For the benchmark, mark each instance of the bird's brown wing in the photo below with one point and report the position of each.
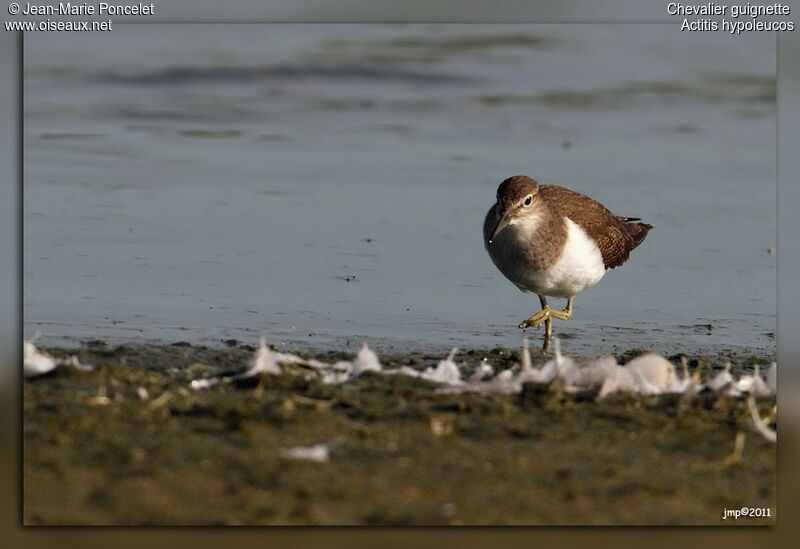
(616, 236)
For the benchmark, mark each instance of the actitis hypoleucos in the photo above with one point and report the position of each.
(555, 242)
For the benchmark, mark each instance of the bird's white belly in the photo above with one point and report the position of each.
(579, 266)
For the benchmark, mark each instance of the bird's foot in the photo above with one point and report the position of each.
(538, 319)
(545, 316)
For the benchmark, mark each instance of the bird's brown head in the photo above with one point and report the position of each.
(516, 197)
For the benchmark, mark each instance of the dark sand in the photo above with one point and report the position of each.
(95, 452)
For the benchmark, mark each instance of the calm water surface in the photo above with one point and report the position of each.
(325, 184)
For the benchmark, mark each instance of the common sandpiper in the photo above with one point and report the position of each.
(555, 242)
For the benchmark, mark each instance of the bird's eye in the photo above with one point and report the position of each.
(528, 200)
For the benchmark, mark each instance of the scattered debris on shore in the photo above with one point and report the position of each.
(36, 363)
(647, 374)
(271, 437)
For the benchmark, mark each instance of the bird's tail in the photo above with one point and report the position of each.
(637, 231)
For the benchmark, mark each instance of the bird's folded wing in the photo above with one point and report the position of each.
(609, 231)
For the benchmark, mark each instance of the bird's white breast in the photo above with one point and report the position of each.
(579, 266)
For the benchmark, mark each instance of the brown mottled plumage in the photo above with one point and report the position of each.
(555, 242)
(616, 236)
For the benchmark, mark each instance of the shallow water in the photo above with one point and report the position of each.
(324, 184)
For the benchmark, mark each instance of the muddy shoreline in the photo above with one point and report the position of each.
(131, 443)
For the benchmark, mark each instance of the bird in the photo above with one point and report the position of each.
(555, 242)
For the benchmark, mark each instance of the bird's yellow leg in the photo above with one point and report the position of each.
(566, 313)
(546, 315)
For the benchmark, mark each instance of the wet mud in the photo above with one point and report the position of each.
(131, 443)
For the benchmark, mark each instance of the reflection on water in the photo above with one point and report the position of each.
(323, 184)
